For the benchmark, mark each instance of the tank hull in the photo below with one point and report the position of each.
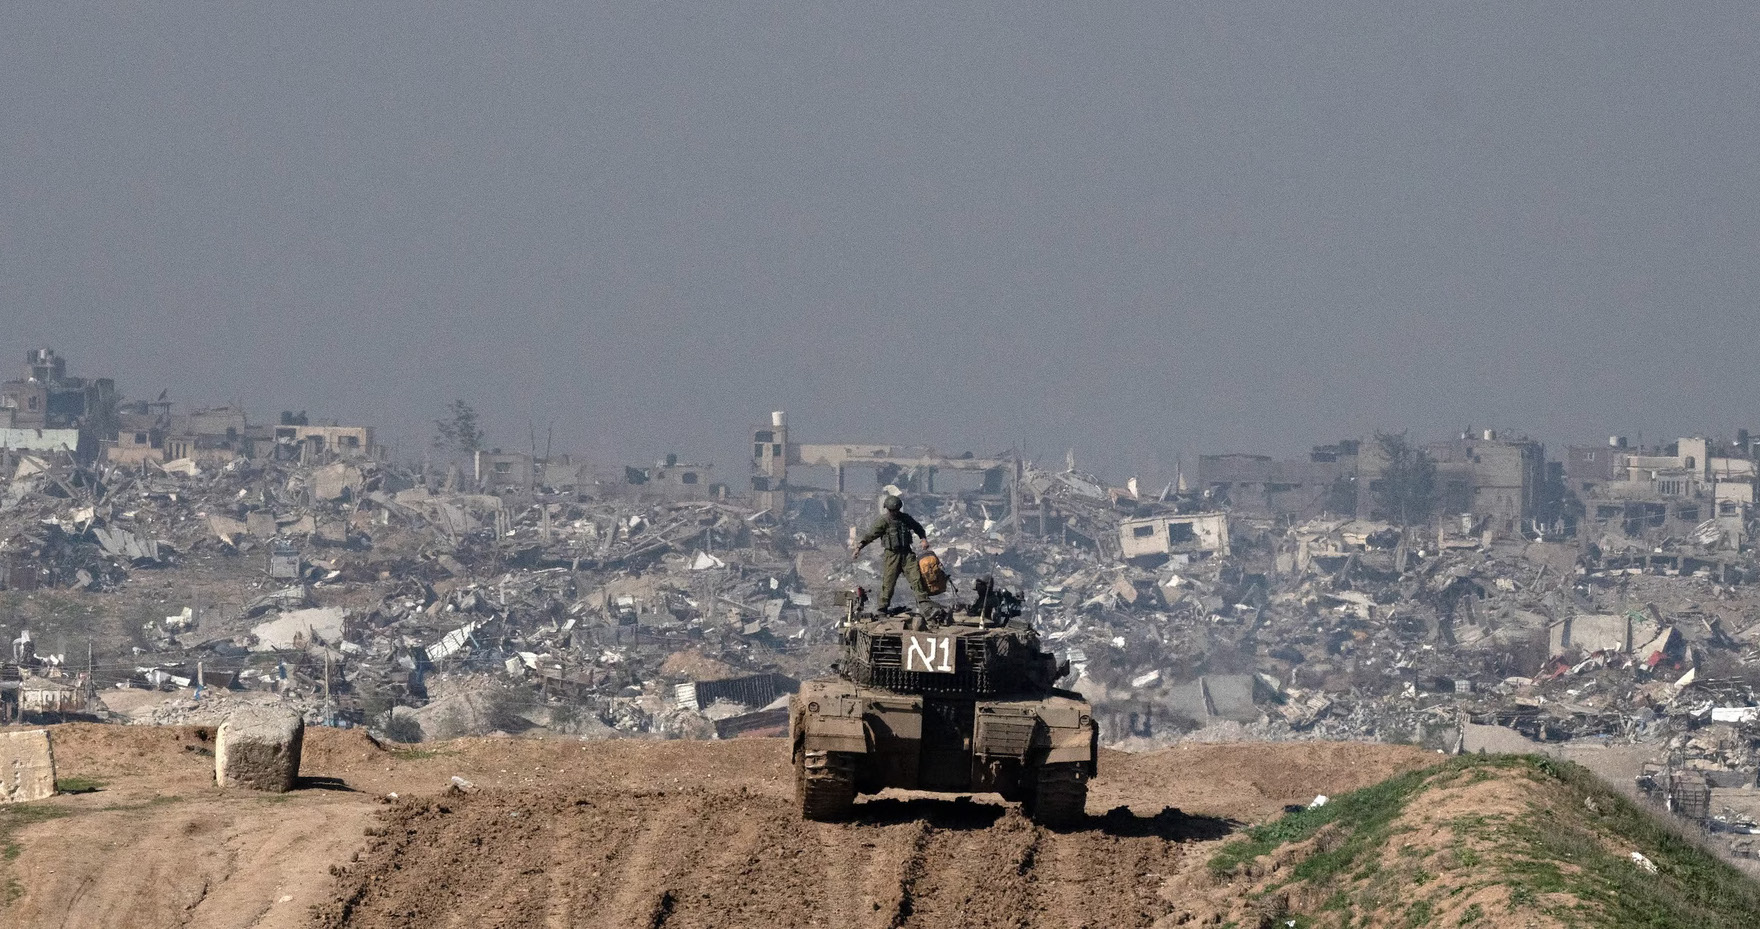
(950, 743)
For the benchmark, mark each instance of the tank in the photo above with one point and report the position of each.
(955, 701)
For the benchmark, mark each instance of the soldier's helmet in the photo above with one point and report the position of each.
(893, 503)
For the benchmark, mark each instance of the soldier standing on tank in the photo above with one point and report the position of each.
(894, 531)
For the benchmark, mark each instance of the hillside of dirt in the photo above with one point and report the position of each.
(682, 834)
(1497, 840)
(612, 833)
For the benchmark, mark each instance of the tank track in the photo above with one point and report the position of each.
(825, 784)
(1059, 797)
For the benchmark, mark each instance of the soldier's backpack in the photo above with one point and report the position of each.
(933, 577)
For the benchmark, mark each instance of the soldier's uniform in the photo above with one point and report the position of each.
(894, 531)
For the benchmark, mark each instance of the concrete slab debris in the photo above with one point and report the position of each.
(298, 629)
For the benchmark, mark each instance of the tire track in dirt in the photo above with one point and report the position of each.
(577, 862)
(863, 871)
(973, 875)
(911, 868)
(847, 901)
(654, 860)
(698, 859)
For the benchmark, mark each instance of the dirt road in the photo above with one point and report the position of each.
(614, 834)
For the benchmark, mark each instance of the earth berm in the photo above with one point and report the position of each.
(705, 834)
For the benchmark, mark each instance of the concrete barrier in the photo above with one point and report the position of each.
(258, 748)
(27, 766)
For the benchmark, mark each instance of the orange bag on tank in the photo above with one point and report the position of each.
(933, 577)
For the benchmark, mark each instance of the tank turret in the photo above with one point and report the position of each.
(979, 649)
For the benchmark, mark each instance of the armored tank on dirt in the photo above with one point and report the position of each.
(957, 701)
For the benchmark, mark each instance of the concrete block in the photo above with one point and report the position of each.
(258, 747)
(27, 766)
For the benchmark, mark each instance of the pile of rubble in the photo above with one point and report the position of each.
(367, 593)
(355, 582)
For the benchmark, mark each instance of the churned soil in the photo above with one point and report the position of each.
(614, 833)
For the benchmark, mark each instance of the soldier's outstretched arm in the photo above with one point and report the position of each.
(910, 522)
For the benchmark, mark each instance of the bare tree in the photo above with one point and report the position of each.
(1408, 481)
(457, 432)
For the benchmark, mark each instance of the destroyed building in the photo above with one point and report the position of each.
(42, 410)
(672, 479)
(1499, 480)
(304, 441)
(141, 429)
(1693, 487)
(1155, 537)
(1325, 482)
(914, 469)
(209, 435)
(519, 476)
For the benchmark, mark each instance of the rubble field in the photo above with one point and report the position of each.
(613, 833)
(403, 601)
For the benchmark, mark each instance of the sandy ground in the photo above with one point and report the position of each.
(620, 833)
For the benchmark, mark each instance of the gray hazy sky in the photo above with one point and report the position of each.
(1140, 229)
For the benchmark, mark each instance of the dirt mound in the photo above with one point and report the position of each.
(630, 832)
(1480, 841)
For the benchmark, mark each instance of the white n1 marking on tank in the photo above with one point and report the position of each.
(932, 653)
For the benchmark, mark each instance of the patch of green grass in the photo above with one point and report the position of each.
(417, 754)
(78, 785)
(17, 815)
(1691, 888)
(147, 804)
(14, 817)
(1472, 915)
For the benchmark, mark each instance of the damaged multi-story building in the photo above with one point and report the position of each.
(672, 479)
(154, 431)
(1690, 487)
(1325, 482)
(296, 438)
(48, 410)
(984, 480)
(141, 429)
(1499, 481)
